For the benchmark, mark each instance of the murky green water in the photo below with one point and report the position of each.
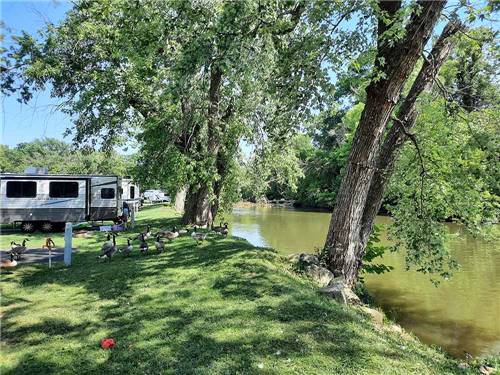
(462, 314)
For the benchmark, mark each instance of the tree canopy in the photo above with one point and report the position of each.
(61, 157)
(188, 79)
(333, 98)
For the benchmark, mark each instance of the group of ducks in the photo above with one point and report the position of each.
(16, 251)
(109, 247)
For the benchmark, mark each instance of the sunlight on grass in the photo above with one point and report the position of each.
(221, 307)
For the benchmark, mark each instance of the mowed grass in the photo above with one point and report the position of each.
(223, 307)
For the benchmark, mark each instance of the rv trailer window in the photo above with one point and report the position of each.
(107, 193)
(21, 189)
(132, 192)
(62, 189)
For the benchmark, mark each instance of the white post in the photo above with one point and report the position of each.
(68, 237)
(50, 258)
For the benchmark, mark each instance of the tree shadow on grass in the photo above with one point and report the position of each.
(35, 334)
(219, 307)
(190, 341)
(250, 281)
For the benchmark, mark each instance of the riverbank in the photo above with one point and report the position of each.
(221, 307)
(277, 204)
(247, 204)
(453, 316)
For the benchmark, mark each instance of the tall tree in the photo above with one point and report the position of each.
(400, 132)
(399, 48)
(188, 79)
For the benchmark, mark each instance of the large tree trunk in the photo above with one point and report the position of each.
(222, 171)
(399, 133)
(180, 199)
(396, 62)
(217, 193)
(198, 208)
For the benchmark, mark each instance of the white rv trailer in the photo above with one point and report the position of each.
(130, 193)
(48, 201)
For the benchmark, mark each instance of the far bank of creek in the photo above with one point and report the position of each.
(460, 315)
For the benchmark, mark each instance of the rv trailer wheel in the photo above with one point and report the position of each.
(47, 227)
(28, 226)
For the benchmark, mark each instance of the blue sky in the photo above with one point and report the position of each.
(38, 119)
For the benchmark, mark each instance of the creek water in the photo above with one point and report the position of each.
(460, 315)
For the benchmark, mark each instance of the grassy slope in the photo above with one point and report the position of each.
(221, 307)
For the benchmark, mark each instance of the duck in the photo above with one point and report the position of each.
(159, 244)
(170, 235)
(14, 244)
(126, 250)
(182, 231)
(225, 230)
(18, 250)
(109, 247)
(198, 236)
(9, 263)
(148, 232)
(217, 229)
(109, 241)
(143, 245)
(222, 229)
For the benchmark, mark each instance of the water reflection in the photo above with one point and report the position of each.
(462, 314)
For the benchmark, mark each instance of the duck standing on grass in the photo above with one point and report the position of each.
(126, 250)
(143, 245)
(224, 230)
(217, 229)
(159, 244)
(14, 244)
(18, 250)
(221, 229)
(147, 233)
(109, 247)
(9, 263)
(170, 235)
(198, 236)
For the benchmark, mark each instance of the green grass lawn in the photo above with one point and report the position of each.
(224, 307)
